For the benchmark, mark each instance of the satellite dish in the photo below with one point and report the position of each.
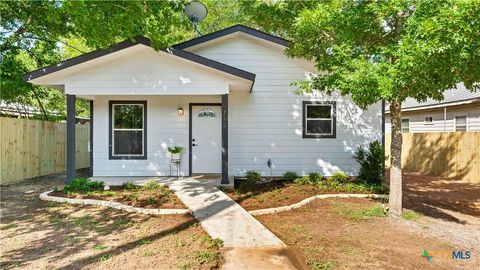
(196, 12)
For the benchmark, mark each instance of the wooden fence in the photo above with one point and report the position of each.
(31, 148)
(446, 154)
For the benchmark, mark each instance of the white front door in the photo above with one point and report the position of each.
(206, 139)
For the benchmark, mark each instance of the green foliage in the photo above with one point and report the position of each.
(152, 184)
(315, 264)
(389, 49)
(363, 213)
(129, 186)
(410, 215)
(371, 162)
(339, 177)
(176, 149)
(83, 185)
(313, 178)
(290, 176)
(252, 177)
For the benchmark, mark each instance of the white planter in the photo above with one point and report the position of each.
(176, 156)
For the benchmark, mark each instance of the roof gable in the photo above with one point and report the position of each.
(229, 31)
(130, 43)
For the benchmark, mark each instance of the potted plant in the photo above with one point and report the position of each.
(176, 151)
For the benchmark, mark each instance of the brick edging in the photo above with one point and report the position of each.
(311, 199)
(116, 205)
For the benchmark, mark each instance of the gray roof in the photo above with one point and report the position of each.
(454, 95)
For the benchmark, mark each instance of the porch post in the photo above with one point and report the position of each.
(225, 139)
(91, 137)
(70, 138)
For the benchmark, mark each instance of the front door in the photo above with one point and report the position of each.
(206, 139)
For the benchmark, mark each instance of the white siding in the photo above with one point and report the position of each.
(267, 123)
(164, 128)
(146, 72)
(417, 119)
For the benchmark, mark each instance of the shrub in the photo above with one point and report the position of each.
(152, 184)
(252, 177)
(83, 185)
(305, 180)
(315, 177)
(339, 177)
(312, 179)
(290, 176)
(129, 186)
(371, 162)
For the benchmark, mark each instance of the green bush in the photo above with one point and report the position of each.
(315, 177)
(83, 185)
(152, 184)
(252, 177)
(312, 179)
(371, 162)
(290, 176)
(339, 177)
(129, 186)
(305, 180)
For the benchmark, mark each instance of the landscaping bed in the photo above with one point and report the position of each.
(355, 234)
(151, 195)
(253, 196)
(37, 234)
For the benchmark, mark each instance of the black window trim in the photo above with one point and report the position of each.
(110, 129)
(333, 104)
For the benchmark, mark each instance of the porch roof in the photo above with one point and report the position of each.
(43, 75)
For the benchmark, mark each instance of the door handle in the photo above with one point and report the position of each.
(194, 144)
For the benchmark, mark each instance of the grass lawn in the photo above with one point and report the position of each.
(138, 196)
(40, 235)
(281, 193)
(354, 234)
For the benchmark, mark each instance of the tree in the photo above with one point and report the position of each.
(390, 50)
(40, 33)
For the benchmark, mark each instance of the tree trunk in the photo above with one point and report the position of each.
(395, 198)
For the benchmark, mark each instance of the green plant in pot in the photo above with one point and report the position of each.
(176, 151)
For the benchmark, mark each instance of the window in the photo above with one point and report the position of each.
(461, 123)
(319, 119)
(428, 120)
(405, 125)
(128, 127)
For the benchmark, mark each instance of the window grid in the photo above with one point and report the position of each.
(325, 119)
(126, 129)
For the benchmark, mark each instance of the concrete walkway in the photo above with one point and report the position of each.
(222, 217)
(248, 244)
(219, 215)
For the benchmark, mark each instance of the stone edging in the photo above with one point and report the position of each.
(311, 199)
(116, 205)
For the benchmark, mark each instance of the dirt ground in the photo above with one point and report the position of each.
(351, 234)
(450, 208)
(274, 194)
(35, 234)
(163, 197)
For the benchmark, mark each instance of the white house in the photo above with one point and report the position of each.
(227, 97)
(458, 111)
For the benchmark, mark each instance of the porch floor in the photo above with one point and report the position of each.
(208, 179)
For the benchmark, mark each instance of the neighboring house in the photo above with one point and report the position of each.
(226, 97)
(458, 111)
